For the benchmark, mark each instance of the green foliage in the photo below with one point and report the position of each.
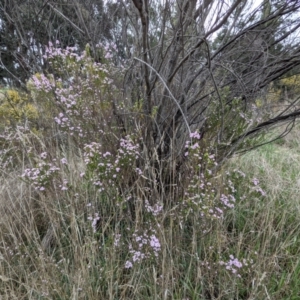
(15, 107)
(228, 120)
(284, 89)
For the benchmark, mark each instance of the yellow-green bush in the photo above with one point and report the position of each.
(285, 89)
(15, 107)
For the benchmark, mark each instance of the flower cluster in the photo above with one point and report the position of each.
(109, 49)
(107, 167)
(41, 176)
(42, 83)
(155, 209)
(144, 246)
(234, 265)
(53, 51)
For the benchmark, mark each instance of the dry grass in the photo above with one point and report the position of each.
(49, 250)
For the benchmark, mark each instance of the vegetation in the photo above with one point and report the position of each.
(14, 107)
(120, 173)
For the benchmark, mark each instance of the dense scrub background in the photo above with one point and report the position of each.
(79, 219)
(126, 170)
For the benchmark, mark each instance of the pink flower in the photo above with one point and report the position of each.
(128, 264)
(64, 161)
(195, 135)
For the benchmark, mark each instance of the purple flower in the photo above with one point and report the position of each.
(128, 264)
(195, 135)
(64, 161)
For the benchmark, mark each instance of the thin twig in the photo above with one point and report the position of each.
(164, 83)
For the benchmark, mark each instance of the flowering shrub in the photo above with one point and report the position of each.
(80, 92)
(203, 192)
(81, 98)
(41, 176)
(108, 168)
(45, 174)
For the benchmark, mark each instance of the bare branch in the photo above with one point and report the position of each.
(174, 99)
(66, 18)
